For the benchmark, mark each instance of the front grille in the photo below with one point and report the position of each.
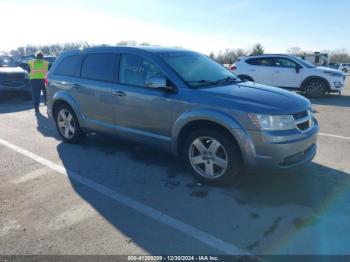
(304, 126)
(12, 80)
(300, 115)
(303, 120)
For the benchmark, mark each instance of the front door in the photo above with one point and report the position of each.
(285, 73)
(141, 111)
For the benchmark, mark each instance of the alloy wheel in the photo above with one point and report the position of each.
(66, 123)
(208, 157)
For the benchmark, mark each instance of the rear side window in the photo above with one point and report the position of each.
(69, 66)
(99, 67)
(268, 61)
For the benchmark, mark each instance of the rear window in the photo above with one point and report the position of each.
(99, 67)
(69, 66)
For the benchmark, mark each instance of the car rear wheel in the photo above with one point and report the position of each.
(67, 124)
(315, 88)
(211, 156)
(344, 70)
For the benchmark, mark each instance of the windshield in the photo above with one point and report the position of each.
(198, 70)
(7, 61)
(304, 62)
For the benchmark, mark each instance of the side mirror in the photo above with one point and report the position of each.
(157, 82)
(297, 69)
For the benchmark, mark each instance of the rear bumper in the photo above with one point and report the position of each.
(282, 150)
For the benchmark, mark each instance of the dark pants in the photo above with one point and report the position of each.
(38, 85)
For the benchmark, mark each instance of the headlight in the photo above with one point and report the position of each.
(333, 74)
(273, 122)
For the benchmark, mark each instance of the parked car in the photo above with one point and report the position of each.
(13, 78)
(345, 67)
(292, 72)
(333, 65)
(184, 102)
(23, 62)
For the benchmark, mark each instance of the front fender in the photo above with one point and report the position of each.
(70, 100)
(242, 137)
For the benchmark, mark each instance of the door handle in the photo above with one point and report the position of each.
(119, 93)
(253, 70)
(77, 86)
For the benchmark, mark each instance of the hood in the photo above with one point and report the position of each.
(10, 70)
(329, 69)
(255, 98)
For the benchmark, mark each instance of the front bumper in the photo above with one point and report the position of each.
(337, 84)
(19, 87)
(282, 150)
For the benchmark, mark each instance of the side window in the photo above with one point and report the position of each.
(268, 61)
(99, 67)
(254, 61)
(69, 66)
(286, 63)
(134, 69)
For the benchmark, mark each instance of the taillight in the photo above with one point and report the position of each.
(233, 67)
(46, 81)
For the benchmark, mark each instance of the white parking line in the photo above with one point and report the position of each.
(335, 136)
(189, 230)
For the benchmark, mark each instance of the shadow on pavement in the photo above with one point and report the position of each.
(45, 125)
(308, 187)
(117, 170)
(11, 102)
(332, 100)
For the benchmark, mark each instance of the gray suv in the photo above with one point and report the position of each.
(184, 102)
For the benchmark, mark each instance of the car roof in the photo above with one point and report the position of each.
(150, 49)
(269, 55)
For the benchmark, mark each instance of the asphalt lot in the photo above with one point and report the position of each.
(108, 196)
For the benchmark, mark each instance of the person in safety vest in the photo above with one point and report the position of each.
(38, 68)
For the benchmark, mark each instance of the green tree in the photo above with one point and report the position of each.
(258, 49)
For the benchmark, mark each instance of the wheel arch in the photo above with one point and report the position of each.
(229, 126)
(310, 78)
(64, 98)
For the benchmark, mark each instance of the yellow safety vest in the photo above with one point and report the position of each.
(38, 68)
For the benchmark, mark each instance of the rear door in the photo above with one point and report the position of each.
(93, 91)
(261, 70)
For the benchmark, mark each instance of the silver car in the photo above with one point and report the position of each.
(183, 102)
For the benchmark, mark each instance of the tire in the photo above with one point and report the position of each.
(199, 158)
(67, 124)
(247, 78)
(315, 88)
(345, 70)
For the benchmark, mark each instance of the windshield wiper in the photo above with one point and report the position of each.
(203, 81)
(228, 79)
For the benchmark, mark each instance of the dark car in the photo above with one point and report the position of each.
(12, 77)
(23, 62)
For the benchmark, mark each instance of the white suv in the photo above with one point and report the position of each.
(344, 67)
(289, 71)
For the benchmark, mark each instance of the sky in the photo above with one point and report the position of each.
(200, 25)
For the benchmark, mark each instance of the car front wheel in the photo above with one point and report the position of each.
(67, 124)
(211, 156)
(315, 88)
